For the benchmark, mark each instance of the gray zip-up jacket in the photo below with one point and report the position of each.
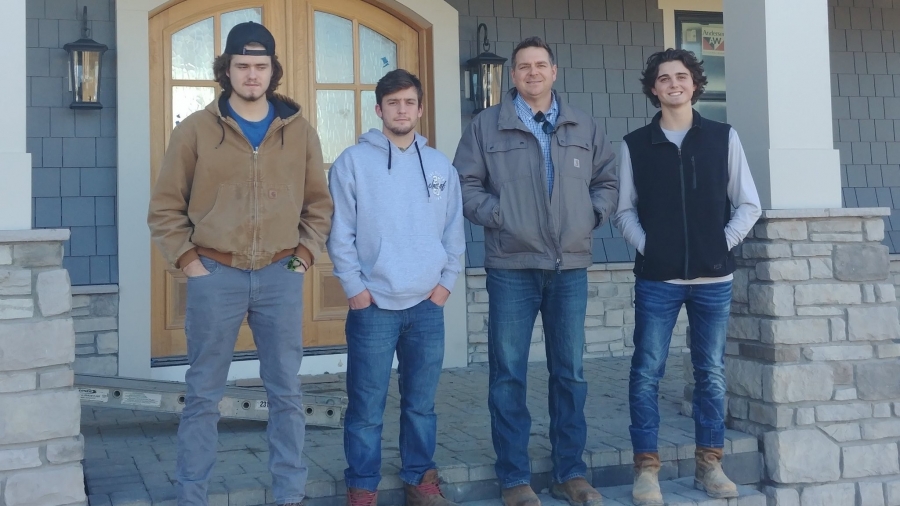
(504, 187)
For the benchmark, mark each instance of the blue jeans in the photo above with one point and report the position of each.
(272, 300)
(657, 304)
(515, 297)
(373, 335)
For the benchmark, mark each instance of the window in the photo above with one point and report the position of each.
(704, 34)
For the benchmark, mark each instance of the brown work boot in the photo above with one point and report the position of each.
(578, 492)
(521, 495)
(646, 480)
(427, 492)
(361, 497)
(709, 475)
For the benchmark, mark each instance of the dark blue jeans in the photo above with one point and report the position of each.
(373, 335)
(515, 297)
(657, 304)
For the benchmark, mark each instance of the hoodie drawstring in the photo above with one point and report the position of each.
(422, 165)
(219, 122)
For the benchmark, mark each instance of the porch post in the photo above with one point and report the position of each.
(812, 355)
(779, 99)
(15, 162)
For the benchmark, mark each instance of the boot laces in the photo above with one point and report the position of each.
(362, 498)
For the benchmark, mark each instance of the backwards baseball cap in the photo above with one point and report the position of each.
(249, 33)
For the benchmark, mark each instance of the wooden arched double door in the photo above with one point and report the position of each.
(333, 53)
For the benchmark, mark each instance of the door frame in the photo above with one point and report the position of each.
(438, 26)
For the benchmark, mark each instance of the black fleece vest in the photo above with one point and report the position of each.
(683, 200)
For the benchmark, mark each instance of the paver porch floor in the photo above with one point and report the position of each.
(131, 454)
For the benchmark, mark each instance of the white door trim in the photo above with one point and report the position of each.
(133, 57)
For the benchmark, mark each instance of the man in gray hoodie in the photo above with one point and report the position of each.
(396, 241)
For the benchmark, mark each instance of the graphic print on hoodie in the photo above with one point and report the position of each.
(397, 228)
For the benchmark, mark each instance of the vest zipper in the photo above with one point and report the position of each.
(684, 214)
(694, 167)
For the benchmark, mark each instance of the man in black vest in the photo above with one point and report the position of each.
(678, 179)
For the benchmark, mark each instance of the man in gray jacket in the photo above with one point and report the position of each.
(539, 176)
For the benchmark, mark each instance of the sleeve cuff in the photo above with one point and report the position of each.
(187, 257)
(448, 281)
(303, 252)
(353, 287)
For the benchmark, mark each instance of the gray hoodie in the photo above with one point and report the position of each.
(397, 228)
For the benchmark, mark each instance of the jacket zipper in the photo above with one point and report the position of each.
(254, 171)
(684, 214)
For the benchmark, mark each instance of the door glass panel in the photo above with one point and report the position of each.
(369, 118)
(377, 55)
(230, 19)
(192, 51)
(334, 49)
(712, 109)
(335, 121)
(189, 99)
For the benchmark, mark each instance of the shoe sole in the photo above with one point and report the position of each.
(714, 495)
(563, 497)
(647, 503)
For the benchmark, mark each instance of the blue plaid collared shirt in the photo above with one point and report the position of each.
(523, 110)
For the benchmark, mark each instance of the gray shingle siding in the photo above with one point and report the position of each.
(73, 152)
(865, 68)
(600, 49)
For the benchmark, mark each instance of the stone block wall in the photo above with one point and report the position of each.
(813, 356)
(41, 447)
(609, 326)
(95, 310)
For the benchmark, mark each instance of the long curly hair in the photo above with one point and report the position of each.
(688, 58)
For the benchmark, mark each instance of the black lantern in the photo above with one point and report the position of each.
(85, 55)
(486, 73)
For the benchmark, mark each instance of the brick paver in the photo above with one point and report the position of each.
(130, 455)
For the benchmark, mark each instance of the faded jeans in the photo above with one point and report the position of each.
(657, 304)
(416, 334)
(272, 300)
(515, 297)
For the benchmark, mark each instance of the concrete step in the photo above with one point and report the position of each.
(678, 492)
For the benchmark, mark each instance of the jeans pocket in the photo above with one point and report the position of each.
(210, 265)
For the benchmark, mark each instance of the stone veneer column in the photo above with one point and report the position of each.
(812, 358)
(41, 447)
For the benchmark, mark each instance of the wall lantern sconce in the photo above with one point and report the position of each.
(85, 56)
(486, 74)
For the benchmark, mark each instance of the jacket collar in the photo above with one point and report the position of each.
(284, 106)
(509, 119)
(657, 136)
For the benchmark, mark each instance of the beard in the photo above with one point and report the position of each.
(247, 97)
(402, 130)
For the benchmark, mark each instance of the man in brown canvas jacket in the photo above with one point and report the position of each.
(242, 207)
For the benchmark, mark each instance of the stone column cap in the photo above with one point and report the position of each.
(839, 212)
(35, 235)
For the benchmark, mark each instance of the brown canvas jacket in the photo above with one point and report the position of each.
(217, 197)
